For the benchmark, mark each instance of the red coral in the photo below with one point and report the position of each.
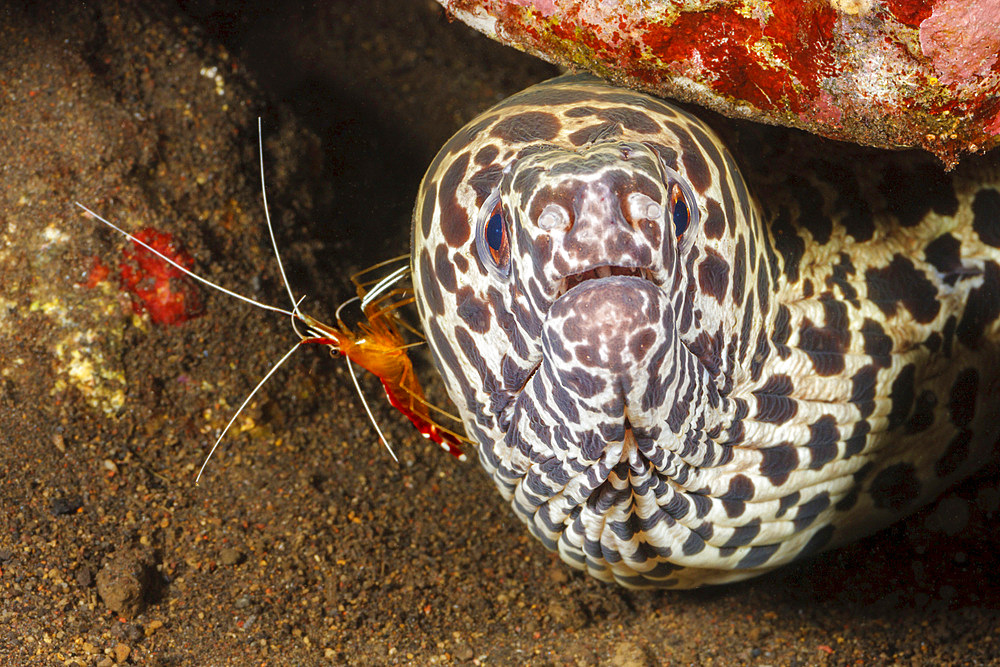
(158, 288)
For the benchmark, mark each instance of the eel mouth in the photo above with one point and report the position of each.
(571, 281)
(565, 285)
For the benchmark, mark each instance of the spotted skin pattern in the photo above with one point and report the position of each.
(816, 355)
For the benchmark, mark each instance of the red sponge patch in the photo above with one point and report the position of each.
(98, 273)
(156, 287)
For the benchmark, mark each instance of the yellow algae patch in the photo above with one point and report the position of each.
(87, 358)
(85, 367)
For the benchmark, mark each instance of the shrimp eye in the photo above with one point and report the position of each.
(492, 237)
(679, 212)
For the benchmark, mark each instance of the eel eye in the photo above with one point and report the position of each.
(679, 212)
(496, 236)
(682, 207)
(493, 237)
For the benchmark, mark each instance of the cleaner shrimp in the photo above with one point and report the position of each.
(377, 345)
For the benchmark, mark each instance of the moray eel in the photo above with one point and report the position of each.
(684, 369)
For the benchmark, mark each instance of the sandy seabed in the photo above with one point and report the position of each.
(305, 544)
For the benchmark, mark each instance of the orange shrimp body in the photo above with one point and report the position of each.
(380, 350)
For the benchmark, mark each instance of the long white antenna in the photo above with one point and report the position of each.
(247, 400)
(295, 304)
(371, 417)
(243, 405)
(267, 216)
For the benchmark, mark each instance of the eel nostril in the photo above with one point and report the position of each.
(642, 207)
(553, 216)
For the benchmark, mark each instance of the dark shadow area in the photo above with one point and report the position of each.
(379, 106)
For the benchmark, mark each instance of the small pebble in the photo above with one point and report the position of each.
(128, 633)
(463, 651)
(122, 652)
(122, 583)
(65, 505)
(557, 574)
(629, 655)
(152, 627)
(84, 577)
(230, 556)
